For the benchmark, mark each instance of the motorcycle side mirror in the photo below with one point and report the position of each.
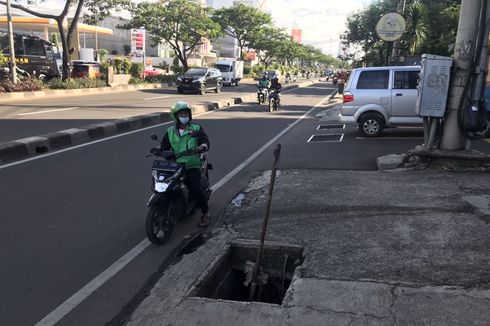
(153, 137)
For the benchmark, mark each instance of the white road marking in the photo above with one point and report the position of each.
(388, 138)
(71, 303)
(156, 98)
(48, 111)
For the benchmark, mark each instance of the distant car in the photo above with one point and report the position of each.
(377, 97)
(200, 80)
(151, 71)
(85, 69)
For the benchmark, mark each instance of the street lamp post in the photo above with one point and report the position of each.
(13, 70)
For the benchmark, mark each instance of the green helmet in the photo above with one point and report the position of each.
(180, 106)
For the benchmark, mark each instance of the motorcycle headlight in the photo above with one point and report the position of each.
(161, 186)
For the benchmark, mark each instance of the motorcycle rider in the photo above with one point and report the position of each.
(263, 82)
(276, 86)
(183, 136)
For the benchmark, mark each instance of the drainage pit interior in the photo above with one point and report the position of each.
(226, 278)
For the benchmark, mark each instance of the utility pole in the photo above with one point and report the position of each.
(13, 69)
(469, 15)
(395, 52)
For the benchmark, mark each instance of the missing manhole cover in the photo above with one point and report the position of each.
(227, 278)
(331, 126)
(326, 138)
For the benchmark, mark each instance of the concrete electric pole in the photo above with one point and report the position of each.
(464, 50)
(13, 69)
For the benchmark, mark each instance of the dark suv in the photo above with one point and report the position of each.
(200, 80)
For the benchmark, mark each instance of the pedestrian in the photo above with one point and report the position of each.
(186, 135)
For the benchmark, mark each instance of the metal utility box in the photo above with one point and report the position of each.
(433, 86)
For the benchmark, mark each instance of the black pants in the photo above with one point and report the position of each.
(193, 182)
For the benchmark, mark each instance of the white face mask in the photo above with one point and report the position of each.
(184, 120)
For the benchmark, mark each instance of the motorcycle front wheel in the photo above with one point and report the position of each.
(271, 105)
(160, 222)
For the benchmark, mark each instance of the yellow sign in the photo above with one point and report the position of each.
(17, 60)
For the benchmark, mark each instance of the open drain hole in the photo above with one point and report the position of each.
(226, 279)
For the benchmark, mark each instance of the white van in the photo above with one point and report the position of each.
(377, 97)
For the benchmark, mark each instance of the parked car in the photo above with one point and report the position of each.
(87, 69)
(200, 80)
(377, 97)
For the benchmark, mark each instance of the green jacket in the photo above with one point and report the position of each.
(183, 143)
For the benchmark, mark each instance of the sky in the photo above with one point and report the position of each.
(322, 21)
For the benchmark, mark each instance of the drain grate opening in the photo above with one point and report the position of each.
(228, 278)
(326, 138)
(331, 126)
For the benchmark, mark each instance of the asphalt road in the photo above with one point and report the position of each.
(68, 217)
(27, 118)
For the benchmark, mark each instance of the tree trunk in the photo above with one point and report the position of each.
(65, 69)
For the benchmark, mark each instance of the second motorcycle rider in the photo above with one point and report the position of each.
(183, 136)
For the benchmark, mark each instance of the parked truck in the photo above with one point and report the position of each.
(33, 55)
(232, 71)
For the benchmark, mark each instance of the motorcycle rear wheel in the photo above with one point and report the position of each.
(160, 222)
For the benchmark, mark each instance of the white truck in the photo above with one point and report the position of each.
(232, 71)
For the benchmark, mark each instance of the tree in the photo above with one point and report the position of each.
(182, 24)
(431, 28)
(268, 47)
(242, 22)
(98, 8)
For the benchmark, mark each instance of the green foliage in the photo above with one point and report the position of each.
(431, 28)
(23, 85)
(126, 66)
(247, 70)
(118, 65)
(135, 81)
(103, 70)
(136, 70)
(161, 79)
(55, 39)
(242, 22)
(182, 24)
(76, 83)
(178, 70)
(102, 54)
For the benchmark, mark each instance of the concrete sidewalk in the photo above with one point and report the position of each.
(380, 248)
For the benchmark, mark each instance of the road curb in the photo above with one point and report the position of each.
(49, 93)
(33, 146)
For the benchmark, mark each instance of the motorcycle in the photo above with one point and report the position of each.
(288, 79)
(335, 80)
(295, 78)
(274, 100)
(170, 199)
(262, 94)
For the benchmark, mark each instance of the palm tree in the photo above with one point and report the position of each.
(418, 26)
